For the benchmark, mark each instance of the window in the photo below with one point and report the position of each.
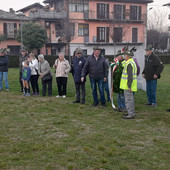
(72, 29)
(14, 49)
(102, 34)
(118, 32)
(78, 5)
(10, 29)
(134, 34)
(102, 11)
(135, 13)
(59, 5)
(83, 30)
(119, 12)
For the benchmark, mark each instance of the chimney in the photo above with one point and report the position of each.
(11, 11)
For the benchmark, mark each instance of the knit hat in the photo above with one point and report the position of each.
(149, 48)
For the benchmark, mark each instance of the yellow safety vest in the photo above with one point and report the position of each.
(124, 78)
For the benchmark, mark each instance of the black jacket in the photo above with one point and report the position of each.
(95, 69)
(4, 60)
(78, 64)
(153, 65)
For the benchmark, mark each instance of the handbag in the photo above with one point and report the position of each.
(47, 77)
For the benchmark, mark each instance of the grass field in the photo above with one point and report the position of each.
(49, 133)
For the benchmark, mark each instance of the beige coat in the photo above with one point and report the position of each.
(62, 68)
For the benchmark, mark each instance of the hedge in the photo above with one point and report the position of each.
(14, 60)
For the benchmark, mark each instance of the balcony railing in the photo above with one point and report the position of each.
(92, 16)
(41, 13)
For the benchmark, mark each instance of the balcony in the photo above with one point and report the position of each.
(47, 14)
(92, 16)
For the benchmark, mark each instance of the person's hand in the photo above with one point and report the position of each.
(130, 90)
(41, 75)
(143, 75)
(155, 76)
(82, 79)
(105, 79)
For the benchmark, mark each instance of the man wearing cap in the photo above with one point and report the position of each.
(129, 84)
(4, 60)
(78, 64)
(95, 66)
(22, 58)
(152, 70)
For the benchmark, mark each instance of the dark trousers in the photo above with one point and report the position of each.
(61, 85)
(78, 87)
(21, 83)
(34, 83)
(44, 86)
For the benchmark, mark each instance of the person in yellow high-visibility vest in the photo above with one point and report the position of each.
(129, 84)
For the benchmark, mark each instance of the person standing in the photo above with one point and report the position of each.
(45, 74)
(26, 74)
(119, 60)
(62, 68)
(23, 57)
(152, 70)
(95, 66)
(78, 64)
(129, 84)
(4, 60)
(33, 64)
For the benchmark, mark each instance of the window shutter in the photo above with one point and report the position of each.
(15, 28)
(98, 34)
(140, 8)
(5, 28)
(107, 34)
(124, 12)
(107, 11)
(98, 10)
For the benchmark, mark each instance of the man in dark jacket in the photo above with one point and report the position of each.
(152, 70)
(78, 64)
(95, 66)
(22, 58)
(4, 68)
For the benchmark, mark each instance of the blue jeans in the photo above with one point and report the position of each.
(5, 76)
(106, 88)
(121, 100)
(151, 86)
(94, 83)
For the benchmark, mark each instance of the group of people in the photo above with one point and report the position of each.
(124, 68)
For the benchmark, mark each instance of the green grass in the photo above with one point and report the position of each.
(49, 133)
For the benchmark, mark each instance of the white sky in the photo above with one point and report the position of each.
(19, 4)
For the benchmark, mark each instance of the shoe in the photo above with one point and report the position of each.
(7, 90)
(21, 91)
(153, 105)
(64, 96)
(103, 105)
(168, 110)
(27, 94)
(32, 93)
(108, 100)
(24, 94)
(37, 94)
(83, 102)
(94, 104)
(58, 96)
(76, 101)
(128, 117)
(148, 104)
